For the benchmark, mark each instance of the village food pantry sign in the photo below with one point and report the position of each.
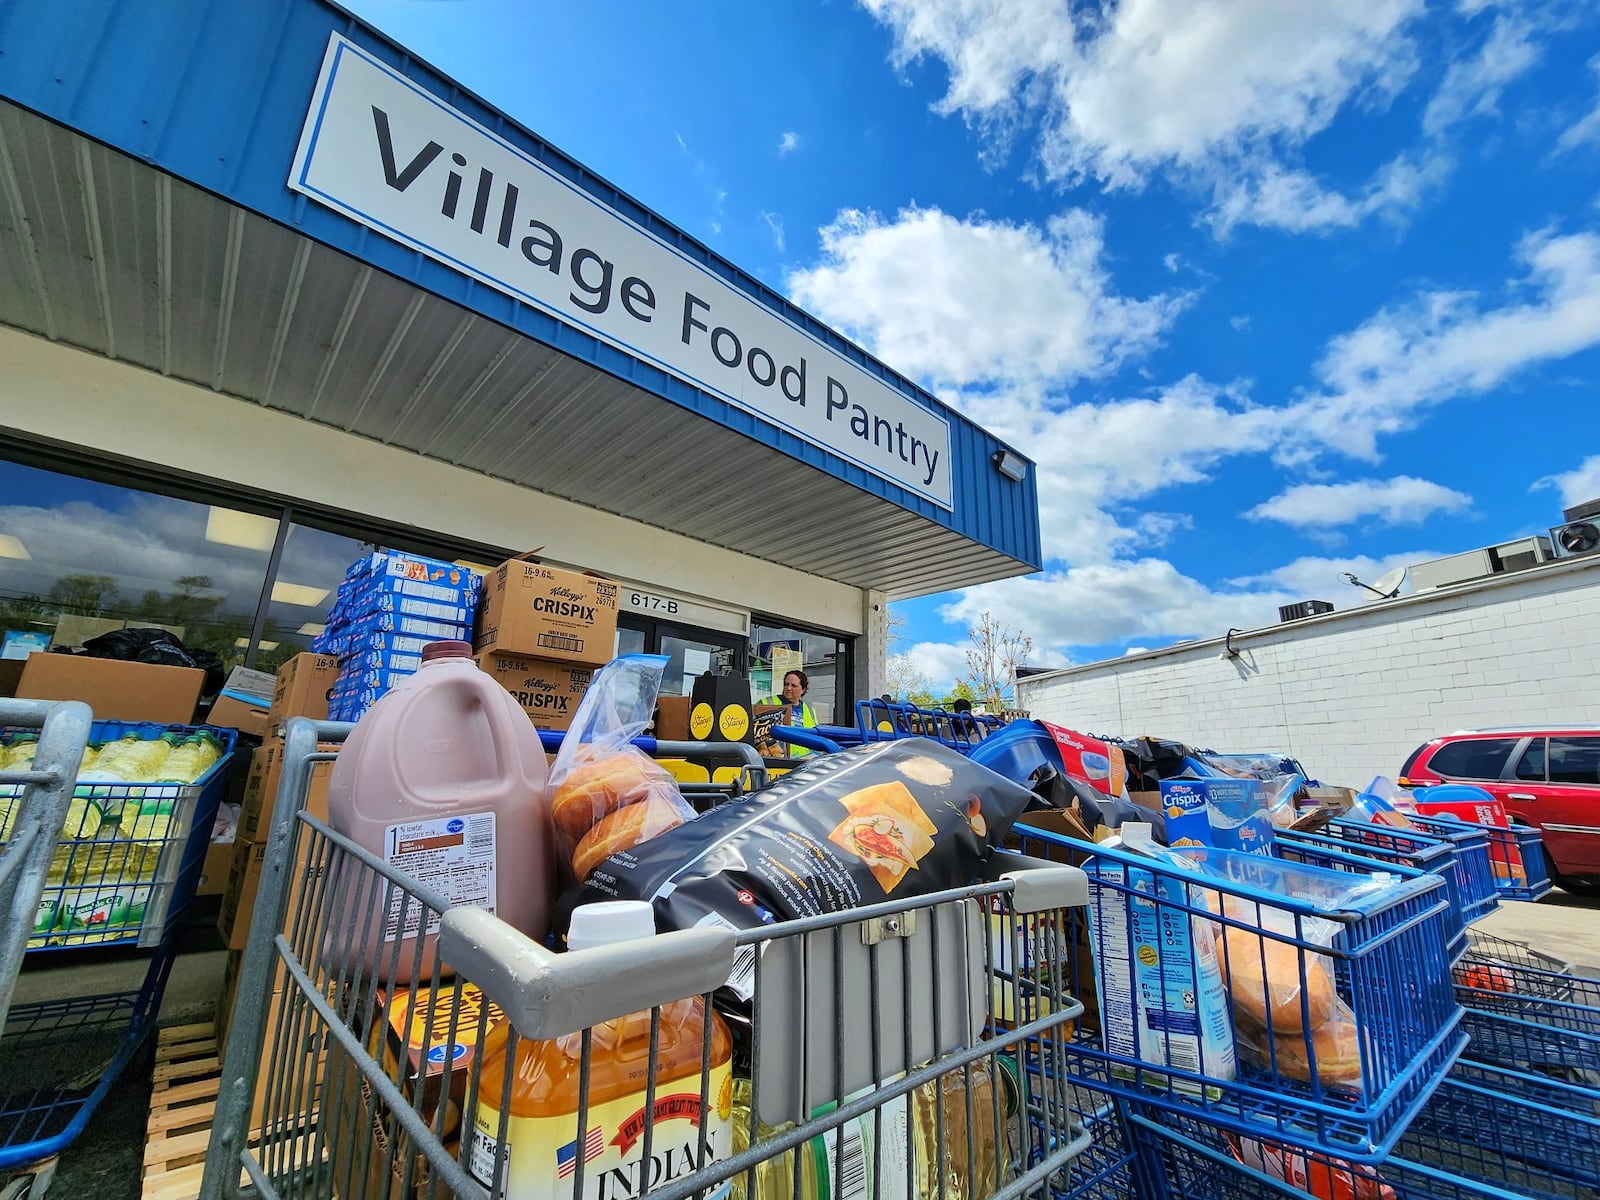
(390, 155)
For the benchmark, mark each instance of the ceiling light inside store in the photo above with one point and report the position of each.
(312, 629)
(245, 530)
(241, 643)
(298, 594)
(11, 547)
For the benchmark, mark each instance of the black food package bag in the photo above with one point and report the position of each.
(889, 821)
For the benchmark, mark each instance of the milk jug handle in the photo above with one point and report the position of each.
(550, 995)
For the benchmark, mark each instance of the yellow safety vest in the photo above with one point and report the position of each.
(808, 720)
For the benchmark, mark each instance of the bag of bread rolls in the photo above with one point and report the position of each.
(1273, 981)
(607, 795)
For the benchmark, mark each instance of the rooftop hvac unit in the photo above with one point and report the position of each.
(1576, 539)
(1521, 554)
(1306, 608)
(1456, 568)
(1581, 512)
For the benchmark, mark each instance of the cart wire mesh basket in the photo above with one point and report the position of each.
(1186, 1159)
(917, 1048)
(1322, 1025)
(1396, 847)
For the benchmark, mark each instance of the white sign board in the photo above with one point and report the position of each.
(392, 156)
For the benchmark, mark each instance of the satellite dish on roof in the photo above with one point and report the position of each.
(1386, 588)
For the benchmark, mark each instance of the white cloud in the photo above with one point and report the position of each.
(1181, 432)
(942, 662)
(1293, 200)
(1472, 86)
(1241, 324)
(788, 143)
(1106, 603)
(1152, 84)
(1587, 128)
(1151, 600)
(1403, 500)
(963, 302)
(775, 224)
(1577, 485)
(1172, 262)
(1447, 344)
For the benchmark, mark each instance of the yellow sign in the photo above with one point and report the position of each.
(734, 723)
(700, 722)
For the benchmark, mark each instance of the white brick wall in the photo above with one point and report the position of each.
(1351, 694)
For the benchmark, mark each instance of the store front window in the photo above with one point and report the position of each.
(79, 558)
(825, 658)
(690, 652)
(309, 570)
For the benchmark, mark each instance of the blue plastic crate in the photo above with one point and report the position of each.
(1479, 896)
(1482, 1127)
(1187, 1159)
(1389, 966)
(1388, 846)
(124, 880)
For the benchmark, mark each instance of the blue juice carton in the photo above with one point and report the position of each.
(1230, 814)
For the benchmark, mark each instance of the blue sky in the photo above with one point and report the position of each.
(1271, 290)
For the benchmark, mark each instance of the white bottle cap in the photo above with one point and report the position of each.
(610, 921)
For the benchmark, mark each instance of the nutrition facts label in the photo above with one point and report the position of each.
(451, 855)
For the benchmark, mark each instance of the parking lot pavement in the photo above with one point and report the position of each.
(1562, 925)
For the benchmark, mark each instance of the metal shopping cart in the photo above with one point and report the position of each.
(1386, 963)
(87, 867)
(1528, 1011)
(916, 1048)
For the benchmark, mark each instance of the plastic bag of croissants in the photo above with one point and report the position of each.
(607, 796)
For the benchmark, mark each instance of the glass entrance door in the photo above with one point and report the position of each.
(691, 652)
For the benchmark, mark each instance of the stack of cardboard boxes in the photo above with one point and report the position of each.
(541, 633)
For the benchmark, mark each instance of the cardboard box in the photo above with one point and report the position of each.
(302, 687)
(261, 791)
(115, 690)
(313, 1048)
(544, 612)
(214, 870)
(672, 718)
(720, 709)
(417, 1036)
(244, 702)
(549, 692)
(239, 897)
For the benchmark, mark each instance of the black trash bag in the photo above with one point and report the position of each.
(210, 662)
(155, 646)
(1150, 760)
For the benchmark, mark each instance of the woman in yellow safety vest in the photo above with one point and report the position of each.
(802, 714)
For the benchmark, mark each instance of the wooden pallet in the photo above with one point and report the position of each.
(183, 1107)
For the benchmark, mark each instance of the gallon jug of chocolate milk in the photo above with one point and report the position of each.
(444, 779)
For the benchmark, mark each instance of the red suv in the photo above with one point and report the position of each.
(1547, 776)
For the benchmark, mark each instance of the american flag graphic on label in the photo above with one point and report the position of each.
(567, 1157)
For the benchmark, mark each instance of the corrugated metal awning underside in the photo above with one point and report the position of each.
(101, 251)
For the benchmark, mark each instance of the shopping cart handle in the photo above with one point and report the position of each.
(550, 995)
(797, 735)
(1038, 885)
